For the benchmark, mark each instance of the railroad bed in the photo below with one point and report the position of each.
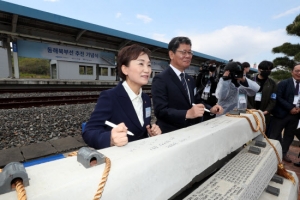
(23, 126)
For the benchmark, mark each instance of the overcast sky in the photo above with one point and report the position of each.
(228, 29)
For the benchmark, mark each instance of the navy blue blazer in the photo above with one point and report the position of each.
(284, 98)
(114, 105)
(171, 102)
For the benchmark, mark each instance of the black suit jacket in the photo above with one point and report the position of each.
(284, 98)
(171, 101)
(114, 105)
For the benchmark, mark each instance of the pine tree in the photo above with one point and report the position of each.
(290, 50)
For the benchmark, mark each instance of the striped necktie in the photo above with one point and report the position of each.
(297, 88)
(183, 81)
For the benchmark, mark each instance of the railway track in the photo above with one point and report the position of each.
(39, 101)
(24, 102)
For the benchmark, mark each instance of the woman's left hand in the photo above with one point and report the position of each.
(154, 130)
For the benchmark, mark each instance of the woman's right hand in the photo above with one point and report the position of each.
(119, 135)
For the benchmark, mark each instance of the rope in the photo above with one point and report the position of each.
(104, 175)
(103, 180)
(249, 121)
(74, 153)
(20, 190)
(280, 168)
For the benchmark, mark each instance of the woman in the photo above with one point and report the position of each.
(125, 105)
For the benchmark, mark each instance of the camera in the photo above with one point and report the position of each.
(222, 70)
(235, 69)
(208, 66)
(204, 67)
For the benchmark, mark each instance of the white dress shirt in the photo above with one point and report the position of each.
(136, 100)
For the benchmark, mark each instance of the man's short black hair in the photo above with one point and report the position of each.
(294, 66)
(265, 65)
(176, 41)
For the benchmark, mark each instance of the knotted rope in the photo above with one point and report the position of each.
(103, 180)
(281, 171)
(104, 176)
(20, 189)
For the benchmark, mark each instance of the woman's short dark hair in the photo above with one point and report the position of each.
(176, 41)
(127, 54)
(245, 65)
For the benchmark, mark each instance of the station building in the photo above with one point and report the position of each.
(75, 49)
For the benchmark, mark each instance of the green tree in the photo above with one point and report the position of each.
(34, 66)
(292, 51)
(281, 73)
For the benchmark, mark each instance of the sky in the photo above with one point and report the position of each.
(245, 31)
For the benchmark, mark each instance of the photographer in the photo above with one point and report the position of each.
(265, 98)
(233, 88)
(206, 83)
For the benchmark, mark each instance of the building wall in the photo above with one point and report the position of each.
(71, 70)
(4, 71)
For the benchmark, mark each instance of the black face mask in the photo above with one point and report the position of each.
(265, 74)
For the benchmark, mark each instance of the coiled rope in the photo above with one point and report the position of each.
(104, 179)
(104, 176)
(281, 171)
(20, 189)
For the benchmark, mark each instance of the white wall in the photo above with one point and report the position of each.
(4, 71)
(70, 70)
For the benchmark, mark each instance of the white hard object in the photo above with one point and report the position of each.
(153, 168)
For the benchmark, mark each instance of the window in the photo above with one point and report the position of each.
(85, 70)
(113, 71)
(89, 70)
(103, 71)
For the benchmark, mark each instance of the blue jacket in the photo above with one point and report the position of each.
(114, 105)
(284, 98)
(171, 102)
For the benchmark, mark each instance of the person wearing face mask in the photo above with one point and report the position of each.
(206, 84)
(265, 98)
(233, 88)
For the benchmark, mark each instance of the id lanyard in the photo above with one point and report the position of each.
(242, 101)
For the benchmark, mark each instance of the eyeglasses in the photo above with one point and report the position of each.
(184, 53)
(296, 71)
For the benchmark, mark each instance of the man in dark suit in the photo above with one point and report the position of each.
(285, 112)
(173, 90)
